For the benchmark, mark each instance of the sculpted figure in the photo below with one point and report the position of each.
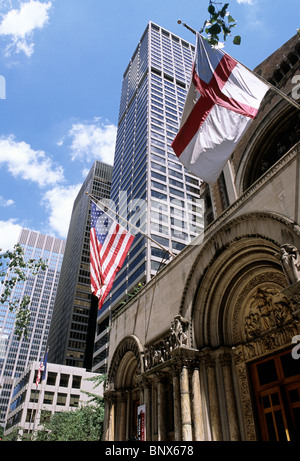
(178, 329)
(290, 261)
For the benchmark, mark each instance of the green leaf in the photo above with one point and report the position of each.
(211, 9)
(224, 10)
(237, 40)
(215, 29)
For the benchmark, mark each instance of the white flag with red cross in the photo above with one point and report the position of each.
(223, 99)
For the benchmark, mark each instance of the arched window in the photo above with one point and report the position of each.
(279, 138)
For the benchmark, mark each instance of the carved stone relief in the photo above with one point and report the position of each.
(249, 315)
(269, 321)
(267, 309)
(160, 351)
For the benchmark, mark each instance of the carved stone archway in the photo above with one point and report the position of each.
(238, 307)
(128, 357)
(122, 393)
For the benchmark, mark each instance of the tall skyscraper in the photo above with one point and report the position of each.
(149, 185)
(72, 331)
(15, 354)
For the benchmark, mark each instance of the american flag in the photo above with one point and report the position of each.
(109, 245)
(42, 368)
(38, 378)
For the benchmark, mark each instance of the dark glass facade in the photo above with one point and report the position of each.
(72, 331)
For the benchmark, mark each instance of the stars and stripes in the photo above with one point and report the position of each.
(109, 245)
(222, 100)
(42, 370)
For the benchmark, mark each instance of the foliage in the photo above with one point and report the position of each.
(82, 424)
(220, 22)
(13, 263)
(12, 437)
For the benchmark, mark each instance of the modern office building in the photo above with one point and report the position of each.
(63, 389)
(150, 187)
(15, 354)
(72, 331)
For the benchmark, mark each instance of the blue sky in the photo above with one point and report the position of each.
(62, 62)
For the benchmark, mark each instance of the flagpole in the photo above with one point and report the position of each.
(272, 87)
(130, 224)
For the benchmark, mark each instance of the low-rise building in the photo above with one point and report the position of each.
(63, 389)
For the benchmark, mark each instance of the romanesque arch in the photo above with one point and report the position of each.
(122, 391)
(239, 308)
(126, 362)
(246, 235)
(276, 134)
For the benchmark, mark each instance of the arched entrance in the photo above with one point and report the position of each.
(243, 320)
(122, 391)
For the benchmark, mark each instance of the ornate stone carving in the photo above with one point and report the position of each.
(160, 351)
(267, 309)
(179, 328)
(290, 260)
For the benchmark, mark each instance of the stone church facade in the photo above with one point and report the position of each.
(207, 350)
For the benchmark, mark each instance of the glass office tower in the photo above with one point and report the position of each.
(72, 331)
(15, 354)
(150, 187)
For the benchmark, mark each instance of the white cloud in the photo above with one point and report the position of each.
(22, 161)
(9, 234)
(6, 202)
(93, 141)
(19, 24)
(59, 202)
(247, 2)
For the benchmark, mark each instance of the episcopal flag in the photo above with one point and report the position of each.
(222, 100)
(109, 245)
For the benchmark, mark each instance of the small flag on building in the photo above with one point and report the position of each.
(109, 245)
(222, 100)
(42, 370)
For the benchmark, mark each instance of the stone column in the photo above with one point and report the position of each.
(123, 414)
(161, 430)
(197, 406)
(111, 428)
(106, 420)
(230, 399)
(147, 402)
(213, 400)
(177, 404)
(141, 386)
(186, 418)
